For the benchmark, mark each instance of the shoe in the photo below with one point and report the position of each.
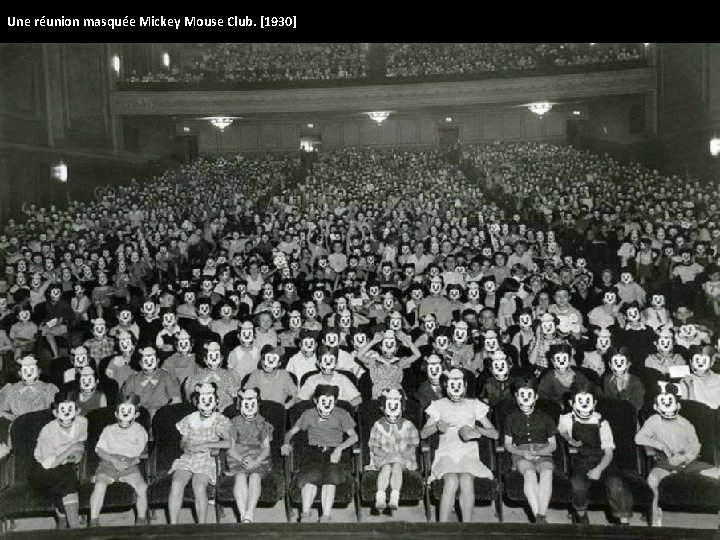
(539, 518)
(657, 518)
(62, 522)
(380, 503)
(394, 500)
(325, 519)
(247, 520)
(94, 523)
(305, 517)
(582, 519)
(142, 521)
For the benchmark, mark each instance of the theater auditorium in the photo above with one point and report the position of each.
(409, 290)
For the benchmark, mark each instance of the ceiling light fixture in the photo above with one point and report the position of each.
(715, 146)
(379, 116)
(221, 122)
(540, 108)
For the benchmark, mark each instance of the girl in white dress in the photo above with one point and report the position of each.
(457, 460)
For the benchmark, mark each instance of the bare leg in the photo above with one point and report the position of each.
(451, 482)
(467, 496)
(396, 481)
(383, 480)
(140, 486)
(654, 478)
(97, 499)
(177, 489)
(530, 488)
(254, 490)
(327, 499)
(199, 484)
(308, 493)
(71, 503)
(240, 491)
(544, 491)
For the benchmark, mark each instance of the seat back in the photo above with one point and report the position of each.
(650, 378)
(622, 418)
(703, 419)
(98, 420)
(24, 434)
(167, 437)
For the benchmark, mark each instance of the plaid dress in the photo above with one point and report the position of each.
(393, 443)
(196, 430)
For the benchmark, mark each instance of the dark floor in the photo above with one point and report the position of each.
(377, 531)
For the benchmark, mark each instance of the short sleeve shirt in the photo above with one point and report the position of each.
(326, 431)
(535, 428)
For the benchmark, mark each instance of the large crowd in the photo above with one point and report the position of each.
(422, 59)
(268, 62)
(294, 62)
(473, 290)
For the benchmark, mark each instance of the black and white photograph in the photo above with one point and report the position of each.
(308, 289)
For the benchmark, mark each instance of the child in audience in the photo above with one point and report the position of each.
(203, 431)
(59, 449)
(120, 448)
(393, 444)
(29, 395)
(228, 382)
(530, 439)
(554, 384)
(249, 455)
(619, 383)
(702, 384)
(23, 333)
(386, 368)
(154, 386)
(592, 437)
(318, 459)
(273, 382)
(675, 441)
(90, 397)
(457, 460)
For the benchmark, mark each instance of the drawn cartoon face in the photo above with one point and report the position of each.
(213, 356)
(327, 363)
(126, 414)
(325, 405)
(499, 366)
(66, 413)
(700, 363)
(609, 298)
(29, 371)
(583, 405)
(526, 398)
(249, 403)
(561, 361)
(148, 360)
(619, 364)
(434, 369)
(667, 405)
(456, 386)
(393, 405)
(207, 399)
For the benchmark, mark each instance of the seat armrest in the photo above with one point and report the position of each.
(426, 453)
(152, 464)
(82, 467)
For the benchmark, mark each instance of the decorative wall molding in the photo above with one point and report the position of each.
(386, 97)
